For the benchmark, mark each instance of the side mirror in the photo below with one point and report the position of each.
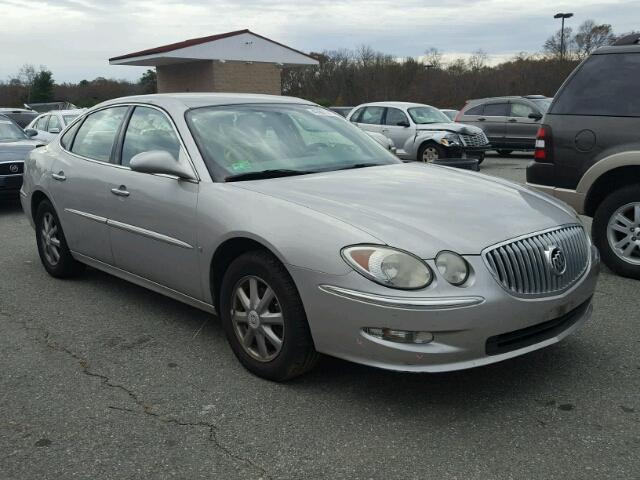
(403, 123)
(54, 130)
(535, 116)
(160, 161)
(30, 132)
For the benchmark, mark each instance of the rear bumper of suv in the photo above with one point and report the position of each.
(571, 197)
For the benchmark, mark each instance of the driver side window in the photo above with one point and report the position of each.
(395, 116)
(149, 129)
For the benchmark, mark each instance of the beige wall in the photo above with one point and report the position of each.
(208, 76)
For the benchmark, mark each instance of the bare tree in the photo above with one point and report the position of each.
(478, 60)
(552, 46)
(433, 58)
(591, 36)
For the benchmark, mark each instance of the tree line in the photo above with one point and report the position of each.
(350, 77)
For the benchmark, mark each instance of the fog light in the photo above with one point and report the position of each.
(399, 336)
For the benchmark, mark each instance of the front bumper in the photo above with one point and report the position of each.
(467, 152)
(463, 321)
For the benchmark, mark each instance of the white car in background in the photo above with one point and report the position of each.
(48, 125)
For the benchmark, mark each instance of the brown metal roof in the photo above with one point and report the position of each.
(198, 41)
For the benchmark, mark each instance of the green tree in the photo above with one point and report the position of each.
(149, 82)
(42, 87)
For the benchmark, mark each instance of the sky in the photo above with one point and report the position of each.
(75, 38)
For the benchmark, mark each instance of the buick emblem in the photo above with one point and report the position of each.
(13, 168)
(556, 260)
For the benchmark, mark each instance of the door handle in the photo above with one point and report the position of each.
(121, 191)
(59, 176)
(513, 120)
(482, 119)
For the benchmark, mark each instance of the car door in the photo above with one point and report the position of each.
(369, 119)
(80, 173)
(397, 128)
(493, 119)
(152, 222)
(520, 129)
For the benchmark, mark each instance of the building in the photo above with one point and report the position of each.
(240, 61)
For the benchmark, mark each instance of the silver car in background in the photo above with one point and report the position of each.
(47, 126)
(306, 236)
(420, 132)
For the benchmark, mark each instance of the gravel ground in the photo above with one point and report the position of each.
(103, 379)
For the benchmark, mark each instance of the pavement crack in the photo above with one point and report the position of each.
(146, 408)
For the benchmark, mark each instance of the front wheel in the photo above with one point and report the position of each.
(430, 152)
(52, 244)
(264, 318)
(616, 231)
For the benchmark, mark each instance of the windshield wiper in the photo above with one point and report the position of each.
(360, 165)
(274, 173)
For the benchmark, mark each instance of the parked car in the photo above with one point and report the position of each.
(306, 237)
(20, 116)
(510, 123)
(420, 132)
(15, 145)
(48, 125)
(588, 150)
(343, 111)
(450, 113)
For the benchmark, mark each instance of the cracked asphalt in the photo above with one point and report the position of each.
(102, 379)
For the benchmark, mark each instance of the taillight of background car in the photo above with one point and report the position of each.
(543, 152)
(459, 114)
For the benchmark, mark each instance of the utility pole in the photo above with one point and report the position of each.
(562, 16)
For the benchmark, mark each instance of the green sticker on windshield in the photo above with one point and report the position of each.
(241, 166)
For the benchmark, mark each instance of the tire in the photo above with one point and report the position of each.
(504, 153)
(52, 244)
(296, 354)
(481, 159)
(621, 201)
(437, 149)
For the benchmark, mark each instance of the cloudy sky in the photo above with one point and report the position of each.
(74, 38)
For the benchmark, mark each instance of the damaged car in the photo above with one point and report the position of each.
(421, 132)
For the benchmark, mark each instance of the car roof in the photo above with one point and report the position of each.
(194, 100)
(509, 97)
(617, 49)
(15, 110)
(394, 104)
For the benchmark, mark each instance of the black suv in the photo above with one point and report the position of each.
(510, 123)
(588, 150)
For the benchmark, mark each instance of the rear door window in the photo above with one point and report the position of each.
(607, 85)
(96, 136)
(496, 109)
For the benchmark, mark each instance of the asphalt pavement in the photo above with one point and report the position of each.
(102, 379)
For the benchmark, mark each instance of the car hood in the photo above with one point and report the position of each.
(17, 150)
(422, 208)
(449, 127)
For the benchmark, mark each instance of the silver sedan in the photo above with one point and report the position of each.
(307, 236)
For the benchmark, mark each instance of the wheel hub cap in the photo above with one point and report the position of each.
(254, 319)
(623, 232)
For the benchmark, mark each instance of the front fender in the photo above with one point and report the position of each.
(413, 144)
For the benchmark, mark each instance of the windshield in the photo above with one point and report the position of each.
(426, 114)
(543, 104)
(241, 140)
(69, 118)
(10, 132)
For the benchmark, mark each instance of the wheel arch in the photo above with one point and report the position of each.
(609, 181)
(227, 252)
(36, 198)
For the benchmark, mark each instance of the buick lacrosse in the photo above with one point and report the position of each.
(306, 236)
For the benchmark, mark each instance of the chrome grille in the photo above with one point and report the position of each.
(475, 140)
(522, 266)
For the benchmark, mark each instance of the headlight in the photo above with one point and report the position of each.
(453, 267)
(450, 139)
(388, 266)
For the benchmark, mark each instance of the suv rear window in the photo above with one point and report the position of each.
(605, 85)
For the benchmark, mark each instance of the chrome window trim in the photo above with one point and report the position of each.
(130, 104)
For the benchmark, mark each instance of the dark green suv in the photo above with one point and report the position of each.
(588, 150)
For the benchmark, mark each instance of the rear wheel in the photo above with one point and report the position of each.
(52, 245)
(264, 318)
(430, 152)
(616, 231)
(505, 153)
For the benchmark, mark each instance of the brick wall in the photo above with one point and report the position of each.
(208, 76)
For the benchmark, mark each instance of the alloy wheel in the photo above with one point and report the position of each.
(430, 154)
(50, 240)
(623, 232)
(257, 318)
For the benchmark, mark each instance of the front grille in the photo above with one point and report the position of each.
(475, 140)
(9, 167)
(507, 342)
(524, 266)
